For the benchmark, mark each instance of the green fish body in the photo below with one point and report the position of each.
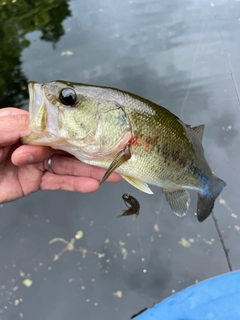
(113, 129)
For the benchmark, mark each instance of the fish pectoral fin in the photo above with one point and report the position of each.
(178, 200)
(138, 184)
(120, 158)
(199, 130)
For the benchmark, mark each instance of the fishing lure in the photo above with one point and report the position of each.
(132, 204)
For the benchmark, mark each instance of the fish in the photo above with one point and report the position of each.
(117, 130)
(134, 205)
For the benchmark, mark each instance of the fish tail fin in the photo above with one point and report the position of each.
(206, 201)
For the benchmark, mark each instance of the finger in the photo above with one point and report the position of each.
(13, 127)
(51, 181)
(33, 154)
(11, 111)
(66, 165)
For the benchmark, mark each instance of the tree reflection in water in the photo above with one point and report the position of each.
(18, 18)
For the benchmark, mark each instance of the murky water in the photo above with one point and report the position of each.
(66, 255)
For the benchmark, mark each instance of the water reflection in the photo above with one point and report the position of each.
(17, 18)
(170, 53)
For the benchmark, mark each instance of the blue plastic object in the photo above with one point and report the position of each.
(217, 298)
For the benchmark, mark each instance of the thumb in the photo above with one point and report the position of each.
(13, 126)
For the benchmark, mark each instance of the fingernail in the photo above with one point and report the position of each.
(26, 158)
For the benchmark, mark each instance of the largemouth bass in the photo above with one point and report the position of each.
(122, 132)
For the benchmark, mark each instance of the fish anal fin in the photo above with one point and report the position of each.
(199, 130)
(138, 184)
(178, 200)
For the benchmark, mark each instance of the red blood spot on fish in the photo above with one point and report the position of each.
(133, 140)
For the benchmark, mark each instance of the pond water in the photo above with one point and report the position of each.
(181, 55)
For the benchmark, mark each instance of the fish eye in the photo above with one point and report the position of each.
(68, 96)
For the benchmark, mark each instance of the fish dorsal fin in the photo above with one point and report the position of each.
(199, 130)
(138, 184)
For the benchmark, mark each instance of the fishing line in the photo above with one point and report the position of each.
(192, 71)
(138, 230)
(139, 240)
(230, 67)
(225, 249)
(228, 62)
(156, 223)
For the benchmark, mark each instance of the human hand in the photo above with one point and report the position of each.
(23, 168)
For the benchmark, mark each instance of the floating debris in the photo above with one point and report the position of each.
(21, 273)
(27, 283)
(210, 242)
(16, 302)
(70, 246)
(79, 235)
(224, 203)
(118, 294)
(66, 53)
(184, 242)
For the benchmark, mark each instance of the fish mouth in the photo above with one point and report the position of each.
(43, 117)
(31, 98)
(37, 108)
(35, 98)
(37, 114)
